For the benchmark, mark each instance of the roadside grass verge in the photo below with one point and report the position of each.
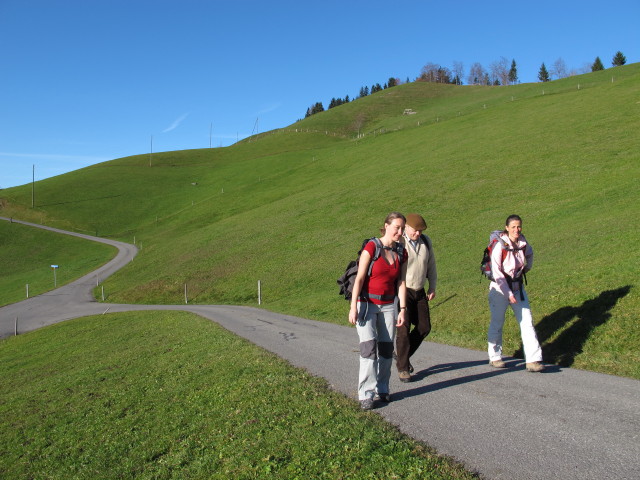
(171, 395)
(27, 256)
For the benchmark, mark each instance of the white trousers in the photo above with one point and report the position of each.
(376, 327)
(498, 304)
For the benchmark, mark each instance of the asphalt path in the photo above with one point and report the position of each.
(503, 424)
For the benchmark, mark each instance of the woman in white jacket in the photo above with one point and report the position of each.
(511, 258)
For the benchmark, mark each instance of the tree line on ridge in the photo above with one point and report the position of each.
(499, 73)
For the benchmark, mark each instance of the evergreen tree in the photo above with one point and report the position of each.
(513, 73)
(392, 82)
(543, 74)
(317, 108)
(597, 65)
(618, 59)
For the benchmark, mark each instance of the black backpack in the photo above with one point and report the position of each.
(349, 276)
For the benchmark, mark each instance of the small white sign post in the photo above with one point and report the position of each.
(55, 280)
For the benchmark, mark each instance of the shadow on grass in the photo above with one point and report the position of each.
(70, 202)
(591, 314)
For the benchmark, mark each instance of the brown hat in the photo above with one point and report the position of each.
(416, 222)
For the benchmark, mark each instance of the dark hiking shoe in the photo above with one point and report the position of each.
(410, 368)
(383, 397)
(366, 404)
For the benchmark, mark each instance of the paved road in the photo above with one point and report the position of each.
(503, 424)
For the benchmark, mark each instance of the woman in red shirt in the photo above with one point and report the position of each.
(373, 310)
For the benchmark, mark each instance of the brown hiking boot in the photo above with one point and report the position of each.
(535, 367)
(404, 376)
(498, 363)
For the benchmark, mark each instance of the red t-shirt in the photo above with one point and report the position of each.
(383, 276)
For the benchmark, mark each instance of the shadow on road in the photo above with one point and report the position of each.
(452, 382)
(591, 314)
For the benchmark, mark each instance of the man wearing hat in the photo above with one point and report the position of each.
(421, 266)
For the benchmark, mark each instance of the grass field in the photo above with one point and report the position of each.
(158, 395)
(291, 207)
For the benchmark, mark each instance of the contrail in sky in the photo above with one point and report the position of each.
(175, 124)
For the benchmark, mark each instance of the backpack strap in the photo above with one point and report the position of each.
(376, 254)
(399, 249)
(367, 295)
(426, 241)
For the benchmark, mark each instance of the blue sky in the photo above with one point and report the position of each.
(84, 81)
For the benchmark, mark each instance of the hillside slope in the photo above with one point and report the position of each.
(290, 208)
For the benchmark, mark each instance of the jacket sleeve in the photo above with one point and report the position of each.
(432, 273)
(496, 270)
(528, 255)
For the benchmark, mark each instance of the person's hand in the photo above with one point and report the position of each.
(400, 319)
(431, 296)
(353, 315)
(512, 299)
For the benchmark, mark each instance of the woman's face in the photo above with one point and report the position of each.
(514, 228)
(394, 229)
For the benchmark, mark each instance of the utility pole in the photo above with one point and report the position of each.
(151, 151)
(33, 187)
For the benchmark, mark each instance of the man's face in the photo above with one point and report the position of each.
(412, 233)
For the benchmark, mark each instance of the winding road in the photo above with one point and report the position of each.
(503, 424)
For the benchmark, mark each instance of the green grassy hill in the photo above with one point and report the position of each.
(290, 208)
